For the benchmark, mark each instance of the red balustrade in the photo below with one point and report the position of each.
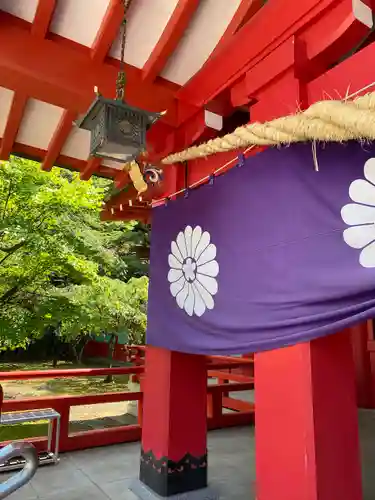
(218, 399)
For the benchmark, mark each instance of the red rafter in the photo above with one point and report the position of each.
(108, 31)
(57, 73)
(43, 17)
(58, 139)
(13, 124)
(169, 39)
(244, 12)
(92, 165)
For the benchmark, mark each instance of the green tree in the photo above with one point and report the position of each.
(104, 305)
(61, 266)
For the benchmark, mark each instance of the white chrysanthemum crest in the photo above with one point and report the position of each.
(360, 216)
(193, 271)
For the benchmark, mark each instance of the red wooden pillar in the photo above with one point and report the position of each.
(307, 445)
(360, 335)
(174, 431)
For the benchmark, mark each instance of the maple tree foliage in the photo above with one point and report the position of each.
(60, 266)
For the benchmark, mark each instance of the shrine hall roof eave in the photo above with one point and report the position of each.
(45, 89)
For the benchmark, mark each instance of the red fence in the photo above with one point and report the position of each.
(218, 399)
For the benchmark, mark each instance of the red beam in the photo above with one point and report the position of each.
(330, 38)
(14, 120)
(123, 197)
(43, 17)
(59, 138)
(108, 31)
(169, 39)
(70, 372)
(246, 10)
(122, 179)
(352, 75)
(141, 214)
(87, 399)
(63, 161)
(275, 23)
(105, 171)
(92, 166)
(65, 76)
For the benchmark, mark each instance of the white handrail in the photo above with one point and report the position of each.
(26, 451)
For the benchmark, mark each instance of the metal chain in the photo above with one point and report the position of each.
(121, 77)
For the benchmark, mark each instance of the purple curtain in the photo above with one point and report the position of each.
(273, 253)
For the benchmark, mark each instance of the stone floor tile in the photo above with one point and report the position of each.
(88, 492)
(57, 478)
(118, 490)
(113, 463)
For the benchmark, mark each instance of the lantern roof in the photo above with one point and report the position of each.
(100, 101)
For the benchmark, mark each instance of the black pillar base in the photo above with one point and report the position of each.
(167, 477)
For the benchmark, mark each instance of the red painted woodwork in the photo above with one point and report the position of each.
(79, 440)
(59, 138)
(191, 132)
(275, 23)
(360, 335)
(102, 437)
(62, 160)
(122, 179)
(245, 11)
(108, 31)
(304, 57)
(92, 166)
(331, 36)
(175, 399)
(286, 69)
(43, 18)
(69, 373)
(371, 353)
(348, 77)
(62, 75)
(17, 109)
(142, 215)
(169, 39)
(288, 52)
(200, 168)
(308, 391)
(95, 349)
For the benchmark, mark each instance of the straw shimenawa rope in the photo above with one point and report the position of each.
(328, 121)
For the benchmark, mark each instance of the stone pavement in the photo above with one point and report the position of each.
(104, 473)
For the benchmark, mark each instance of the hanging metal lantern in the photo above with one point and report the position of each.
(118, 131)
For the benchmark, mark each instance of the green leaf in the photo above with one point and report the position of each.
(60, 265)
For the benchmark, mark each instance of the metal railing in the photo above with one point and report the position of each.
(15, 450)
